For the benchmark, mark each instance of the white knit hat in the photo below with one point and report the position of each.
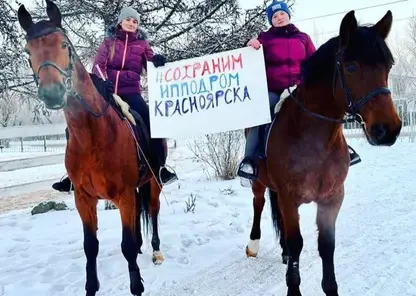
(128, 12)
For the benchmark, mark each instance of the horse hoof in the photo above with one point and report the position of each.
(252, 248)
(285, 259)
(136, 285)
(157, 257)
(294, 291)
(250, 254)
(91, 288)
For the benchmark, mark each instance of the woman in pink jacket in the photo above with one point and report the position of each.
(285, 48)
(121, 58)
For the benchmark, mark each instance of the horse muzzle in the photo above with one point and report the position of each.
(53, 95)
(383, 134)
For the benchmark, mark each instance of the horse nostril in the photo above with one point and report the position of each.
(379, 131)
(52, 95)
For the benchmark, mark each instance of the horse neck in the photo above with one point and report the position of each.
(320, 100)
(79, 116)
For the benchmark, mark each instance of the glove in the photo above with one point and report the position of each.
(109, 86)
(158, 60)
(103, 86)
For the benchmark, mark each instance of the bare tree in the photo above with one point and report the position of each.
(9, 108)
(220, 152)
(404, 72)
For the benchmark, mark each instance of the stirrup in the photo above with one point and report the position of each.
(71, 185)
(244, 174)
(354, 157)
(171, 180)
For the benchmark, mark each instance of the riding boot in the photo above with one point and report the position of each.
(65, 185)
(248, 166)
(354, 157)
(163, 175)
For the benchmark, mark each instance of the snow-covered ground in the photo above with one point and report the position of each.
(7, 156)
(29, 175)
(204, 251)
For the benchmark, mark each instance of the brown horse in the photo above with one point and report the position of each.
(307, 155)
(101, 155)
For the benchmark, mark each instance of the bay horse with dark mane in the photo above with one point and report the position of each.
(307, 158)
(102, 158)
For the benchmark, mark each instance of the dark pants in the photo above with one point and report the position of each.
(137, 103)
(257, 132)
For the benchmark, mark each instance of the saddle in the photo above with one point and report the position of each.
(133, 120)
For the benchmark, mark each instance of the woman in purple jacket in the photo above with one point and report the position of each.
(284, 47)
(121, 58)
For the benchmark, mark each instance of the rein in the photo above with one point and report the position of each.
(353, 114)
(66, 74)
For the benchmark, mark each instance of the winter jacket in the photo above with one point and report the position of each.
(131, 53)
(284, 49)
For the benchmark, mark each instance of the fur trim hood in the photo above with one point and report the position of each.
(141, 34)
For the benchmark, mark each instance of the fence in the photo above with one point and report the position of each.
(33, 138)
(51, 137)
(353, 130)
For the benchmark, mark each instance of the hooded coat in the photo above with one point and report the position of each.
(284, 48)
(122, 57)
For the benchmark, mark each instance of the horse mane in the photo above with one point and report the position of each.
(365, 47)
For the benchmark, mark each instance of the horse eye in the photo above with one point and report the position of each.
(27, 51)
(351, 68)
(65, 45)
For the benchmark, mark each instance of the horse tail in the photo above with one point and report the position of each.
(275, 211)
(143, 196)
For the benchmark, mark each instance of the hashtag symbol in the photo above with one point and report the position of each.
(159, 77)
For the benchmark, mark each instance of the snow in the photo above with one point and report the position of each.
(204, 250)
(7, 156)
(29, 175)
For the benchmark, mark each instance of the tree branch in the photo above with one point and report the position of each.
(194, 25)
(169, 15)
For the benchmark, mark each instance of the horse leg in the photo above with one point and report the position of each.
(278, 224)
(294, 243)
(129, 248)
(155, 191)
(253, 245)
(87, 209)
(326, 217)
(138, 229)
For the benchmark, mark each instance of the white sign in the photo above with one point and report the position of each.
(210, 94)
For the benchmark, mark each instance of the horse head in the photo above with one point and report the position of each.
(362, 65)
(51, 55)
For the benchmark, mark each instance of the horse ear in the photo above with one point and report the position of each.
(54, 13)
(348, 26)
(383, 26)
(25, 19)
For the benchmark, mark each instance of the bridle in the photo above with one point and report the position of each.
(66, 74)
(353, 113)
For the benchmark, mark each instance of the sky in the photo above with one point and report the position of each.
(323, 28)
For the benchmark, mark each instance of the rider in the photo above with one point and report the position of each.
(285, 47)
(121, 58)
